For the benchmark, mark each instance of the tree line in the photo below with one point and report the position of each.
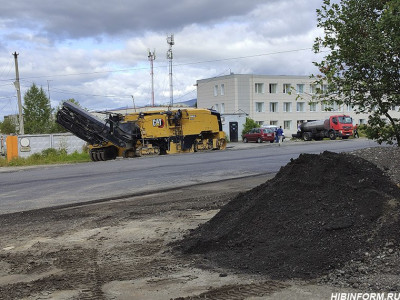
(39, 116)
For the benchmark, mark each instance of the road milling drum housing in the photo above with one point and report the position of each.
(144, 133)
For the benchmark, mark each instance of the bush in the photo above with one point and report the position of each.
(47, 156)
(250, 124)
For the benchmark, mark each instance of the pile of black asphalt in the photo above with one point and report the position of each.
(316, 214)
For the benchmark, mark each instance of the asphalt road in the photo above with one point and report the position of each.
(32, 188)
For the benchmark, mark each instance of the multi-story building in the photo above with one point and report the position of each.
(271, 100)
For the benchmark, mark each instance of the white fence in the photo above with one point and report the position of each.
(29, 144)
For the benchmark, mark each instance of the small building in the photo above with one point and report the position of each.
(232, 125)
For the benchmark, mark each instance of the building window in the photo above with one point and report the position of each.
(259, 88)
(337, 106)
(393, 107)
(286, 88)
(362, 121)
(222, 89)
(313, 88)
(349, 107)
(330, 106)
(273, 123)
(287, 106)
(313, 106)
(222, 108)
(260, 107)
(300, 107)
(260, 123)
(325, 106)
(287, 125)
(300, 88)
(216, 107)
(324, 88)
(273, 88)
(273, 106)
(215, 90)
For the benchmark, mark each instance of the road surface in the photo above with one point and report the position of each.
(41, 187)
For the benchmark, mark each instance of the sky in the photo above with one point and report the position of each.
(96, 51)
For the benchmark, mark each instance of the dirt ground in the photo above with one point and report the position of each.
(121, 250)
(118, 250)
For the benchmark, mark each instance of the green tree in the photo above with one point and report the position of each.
(8, 126)
(250, 124)
(362, 67)
(37, 111)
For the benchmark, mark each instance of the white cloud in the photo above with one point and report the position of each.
(99, 56)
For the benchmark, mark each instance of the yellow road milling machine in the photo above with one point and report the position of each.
(144, 133)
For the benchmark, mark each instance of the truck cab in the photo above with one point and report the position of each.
(342, 125)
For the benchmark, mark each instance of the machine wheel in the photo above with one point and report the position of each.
(245, 140)
(98, 156)
(332, 135)
(259, 140)
(93, 155)
(307, 136)
(128, 153)
(221, 144)
(102, 155)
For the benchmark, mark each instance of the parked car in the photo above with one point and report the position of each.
(259, 135)
(274, 128)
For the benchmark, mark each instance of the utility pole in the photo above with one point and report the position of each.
(170, 41)
(48, 89)
(133, 100)
(152, 57)
(18, 88)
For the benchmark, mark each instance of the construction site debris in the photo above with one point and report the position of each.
(319, 213)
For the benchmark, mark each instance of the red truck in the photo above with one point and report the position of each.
(335, 126)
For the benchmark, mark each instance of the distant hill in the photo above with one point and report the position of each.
(190, 103)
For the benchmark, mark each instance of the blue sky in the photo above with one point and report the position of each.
(96, 51)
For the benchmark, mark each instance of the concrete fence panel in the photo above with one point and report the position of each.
(29, 144)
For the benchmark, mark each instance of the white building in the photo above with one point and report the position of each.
(232, 125)
(271, 100)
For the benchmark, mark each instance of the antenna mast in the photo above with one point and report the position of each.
(170, 41)
(152, 57)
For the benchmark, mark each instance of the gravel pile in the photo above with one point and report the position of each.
(386, 158)
(329, 216)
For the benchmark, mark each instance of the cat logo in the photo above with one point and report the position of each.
(158, 123)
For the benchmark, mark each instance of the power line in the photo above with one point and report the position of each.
(9, 69)
(163, 66)
(57, 90)
(242, 57)
(91, 95)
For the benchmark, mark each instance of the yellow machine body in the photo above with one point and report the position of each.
(166, 132)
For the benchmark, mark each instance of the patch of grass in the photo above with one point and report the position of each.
(47, 156)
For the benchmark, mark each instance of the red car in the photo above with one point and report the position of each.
(259, 135)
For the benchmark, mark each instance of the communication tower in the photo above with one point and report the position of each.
(152, 57)
(170, 41)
